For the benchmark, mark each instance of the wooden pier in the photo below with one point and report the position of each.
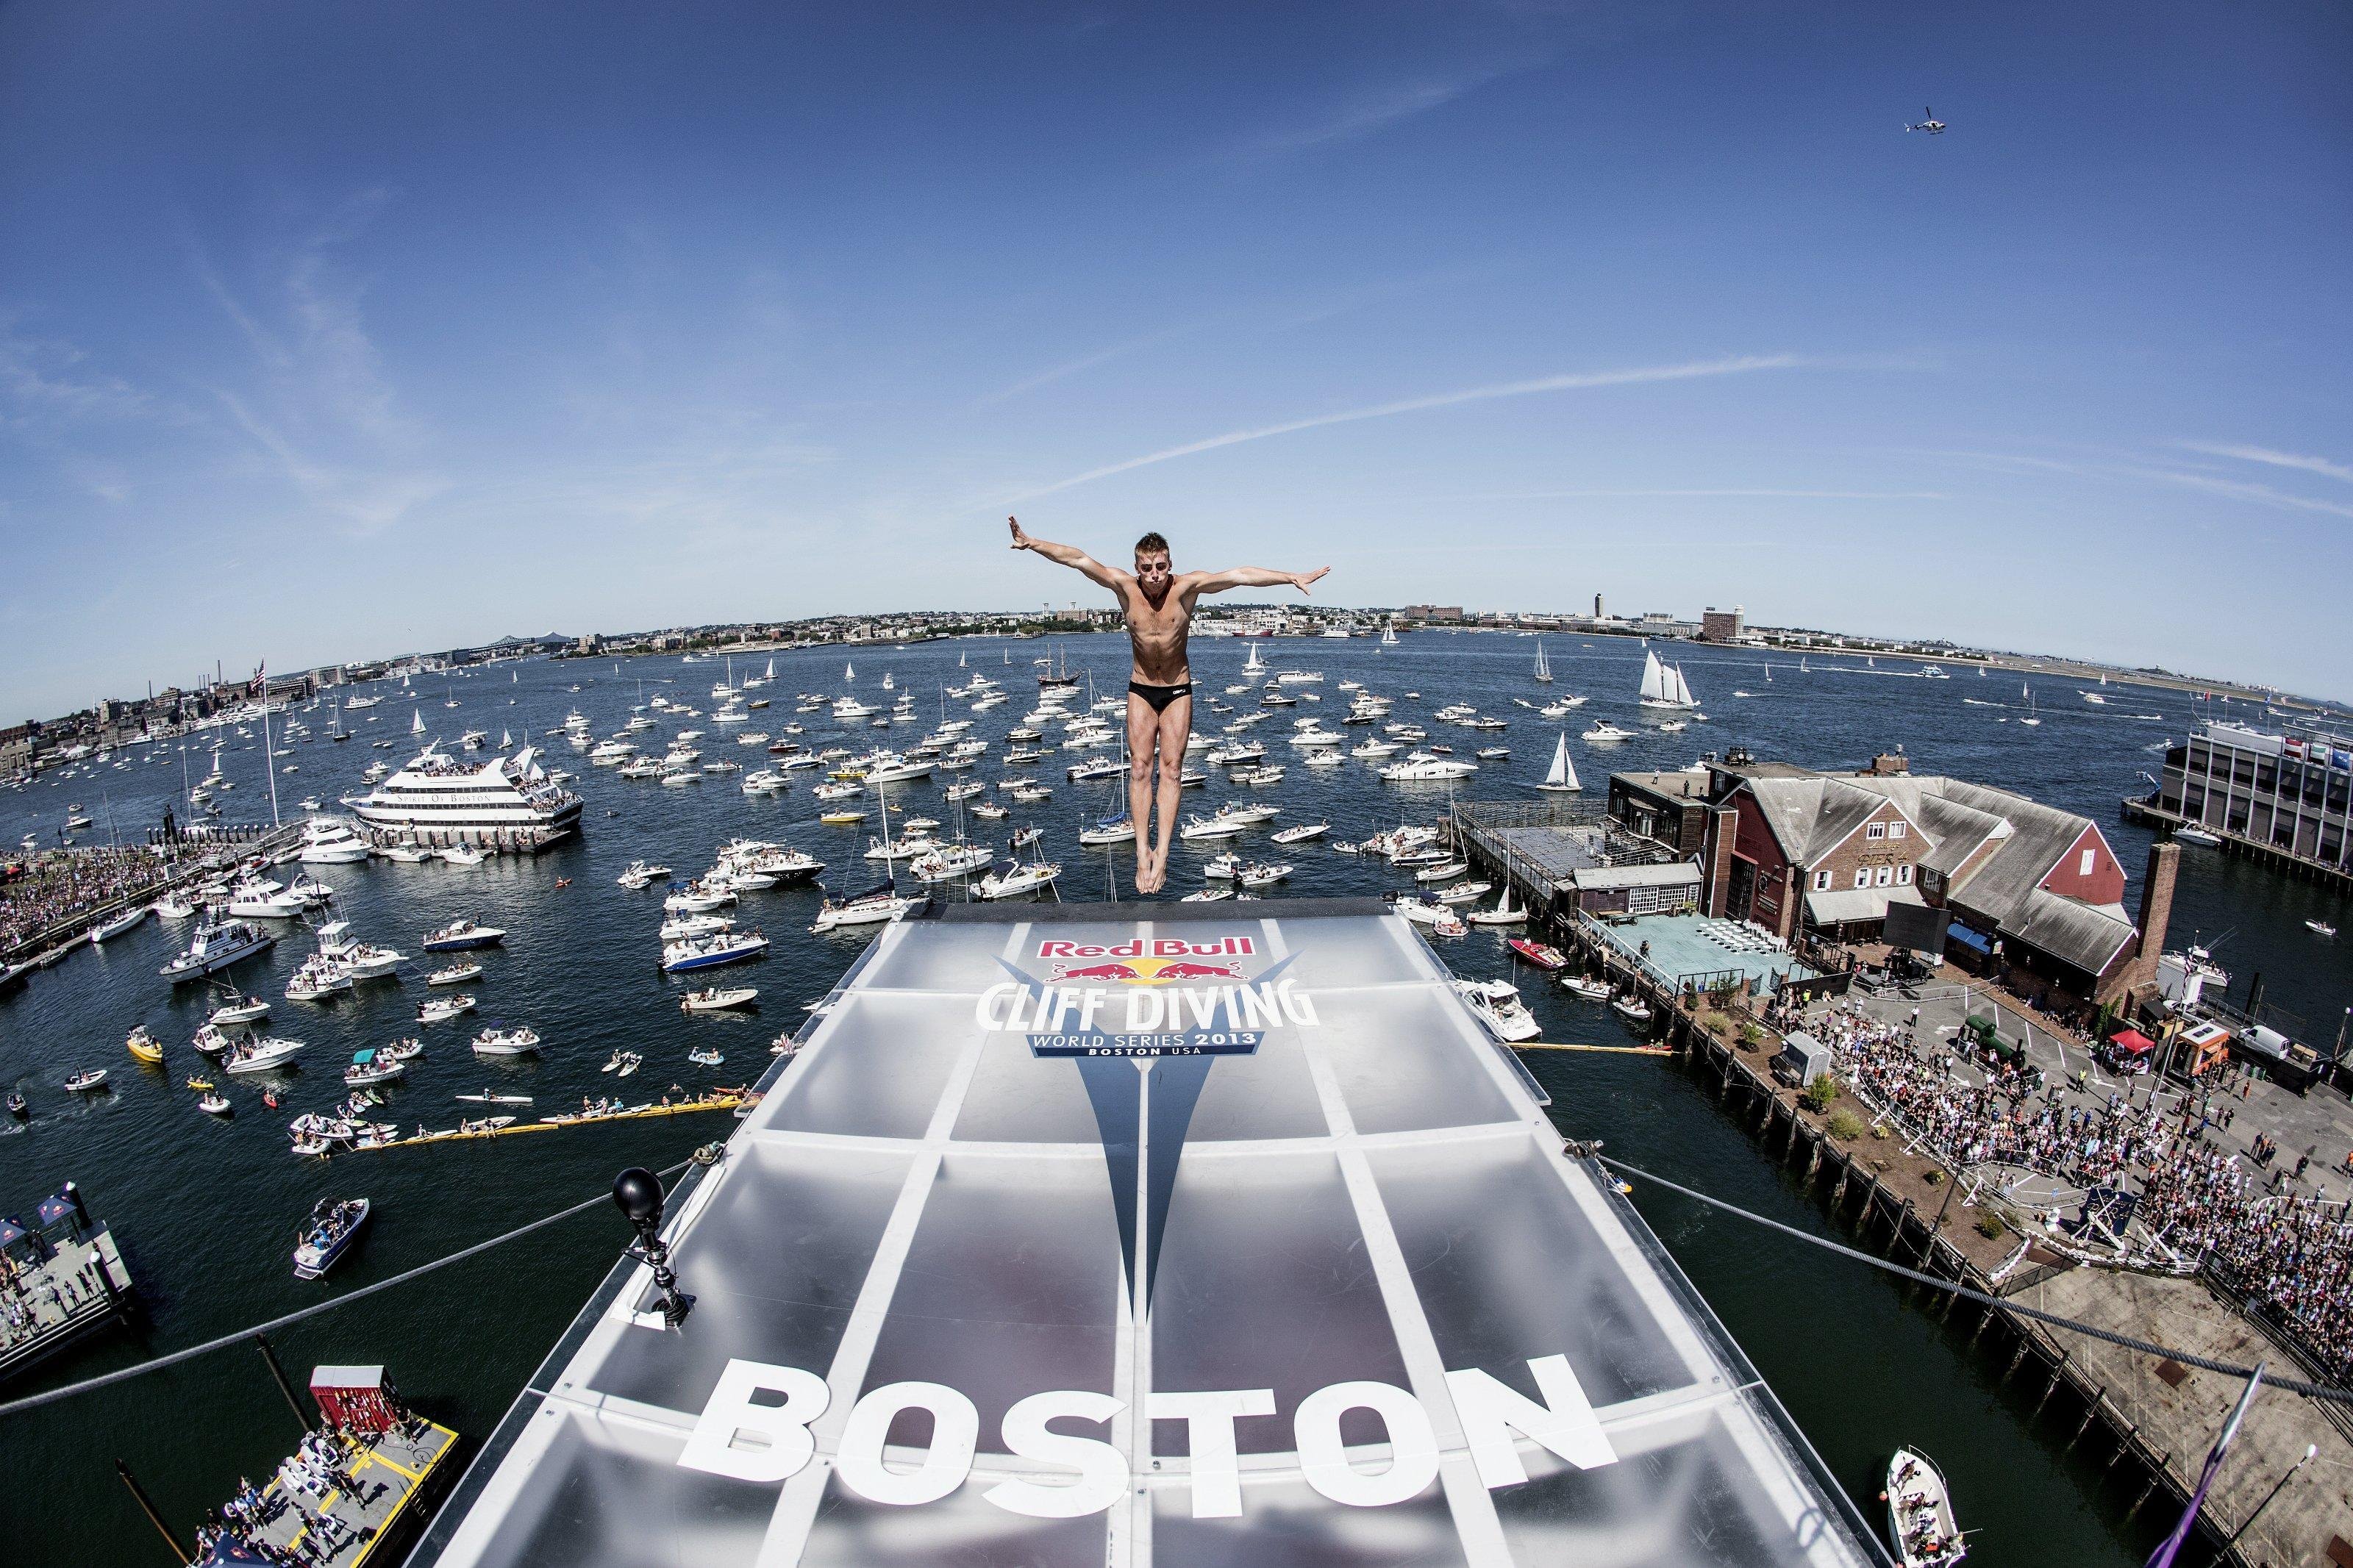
(2143, 812)
(393, 1470)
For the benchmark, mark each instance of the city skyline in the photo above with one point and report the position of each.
(323, 338)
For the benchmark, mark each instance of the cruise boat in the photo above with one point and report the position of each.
(217, 945)
(507, 803)
(328, 841)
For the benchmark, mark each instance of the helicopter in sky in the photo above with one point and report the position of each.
(1932, 125)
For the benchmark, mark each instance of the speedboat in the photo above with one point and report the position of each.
(263, 1054)
(1920, 1523)
(462, 933)
(454, 974)
(1497, 1003)
(239, 1010)
(1258, 874)
(317, 980)
(1632, 1008)
(462, 854)
(443, 1009)
(1587, 987)
(713, 999)
(500, 1041)
(707, 952)
(88, 1081)
(2320, 928)
(370, 1066)
(1302, 833)
(1604, 732)
(1014, 878)
(143, 1047)
(1463, 893)
(1207, 896)
(18, 1105)
(1542, 955)
(2198, 836)
(327, 1235)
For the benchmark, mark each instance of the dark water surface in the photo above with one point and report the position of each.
(206, 1210)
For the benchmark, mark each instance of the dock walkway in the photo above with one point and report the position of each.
(392, 1468)
(79, 1287)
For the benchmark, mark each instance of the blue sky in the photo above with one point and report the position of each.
(335, 331)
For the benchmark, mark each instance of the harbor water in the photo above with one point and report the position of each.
(206, 1210)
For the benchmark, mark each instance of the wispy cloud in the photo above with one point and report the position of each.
(2277, 459)
(2151, 473)
(1084, 362)
(1373, 110)
(51, 379)
(1754, 493)
(1576, 380)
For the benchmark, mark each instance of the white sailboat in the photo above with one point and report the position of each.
(848, 672)
(1389, 637)
(506, 740)
(1664, 685)
(1562, 779)
(416, 721)
(1254, 665)
(1543, 670)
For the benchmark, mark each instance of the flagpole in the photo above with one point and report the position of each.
(2163, 1556)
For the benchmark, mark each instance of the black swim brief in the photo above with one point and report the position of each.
(1160, 697)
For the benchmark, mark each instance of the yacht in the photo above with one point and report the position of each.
(507, 803)
(497, 1041)
(462, 933)
(217, 945)
(1497, 1003)
(261, 1054)
(946, 862)
(1015, 878)
(1664, 685)
(705, 952)
(1604, 732)
(330, 841)
(1421, 765)
(877, 906)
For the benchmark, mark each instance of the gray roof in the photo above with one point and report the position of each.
(1674, 873)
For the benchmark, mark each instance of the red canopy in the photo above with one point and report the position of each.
(2132, 1042)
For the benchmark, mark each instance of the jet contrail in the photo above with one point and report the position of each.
(1574, 381)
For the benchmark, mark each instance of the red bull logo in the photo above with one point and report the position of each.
(1160, 960)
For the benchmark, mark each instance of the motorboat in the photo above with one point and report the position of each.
(497, 1041)
(454, 974)
(239, 1009)
(407, 854)
(1920, 1523)
(699, 897)
(330, 841)
(1200, 827)
(1014, 878)
(1260, 874)
(143, 1047)
(1459, 893)
(1498, 1005)
(1444, 871)
(2320, 928)
(1301, 833)
(262, 1054)
(174, 907)
(440, 1009)
(89, 1081)
(945, 862)
(18, 1105)
(2192, 834)
(1207, 896)
(214, 1103)
(713, 999)
(681, 927)
(317, 979)
(1542, 954)
(1606, 734)
(461, 855)
(217, 945)
(101, 934)
(324, 1238)
(209, 1041)
(708, 951)
(1590, 989)
(1421, 765)
(460, 934)
(371, 1066)
(1632, 1008)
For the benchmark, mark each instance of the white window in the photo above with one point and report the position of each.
(1862, 876)
(1876, 830)
(2086, 869)
(1886, 874)
(1895, 830)
(1821, 881)
(1903, 876)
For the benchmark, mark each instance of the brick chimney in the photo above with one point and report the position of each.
(2155, 908)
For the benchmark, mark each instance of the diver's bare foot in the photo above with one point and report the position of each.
(1144, 871)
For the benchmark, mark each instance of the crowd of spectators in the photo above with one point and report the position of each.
(2199, 1201)
(59, 886)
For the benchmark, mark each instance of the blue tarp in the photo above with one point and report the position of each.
(1968, 937)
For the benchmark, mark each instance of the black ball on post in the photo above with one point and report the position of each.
(639, 1194)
